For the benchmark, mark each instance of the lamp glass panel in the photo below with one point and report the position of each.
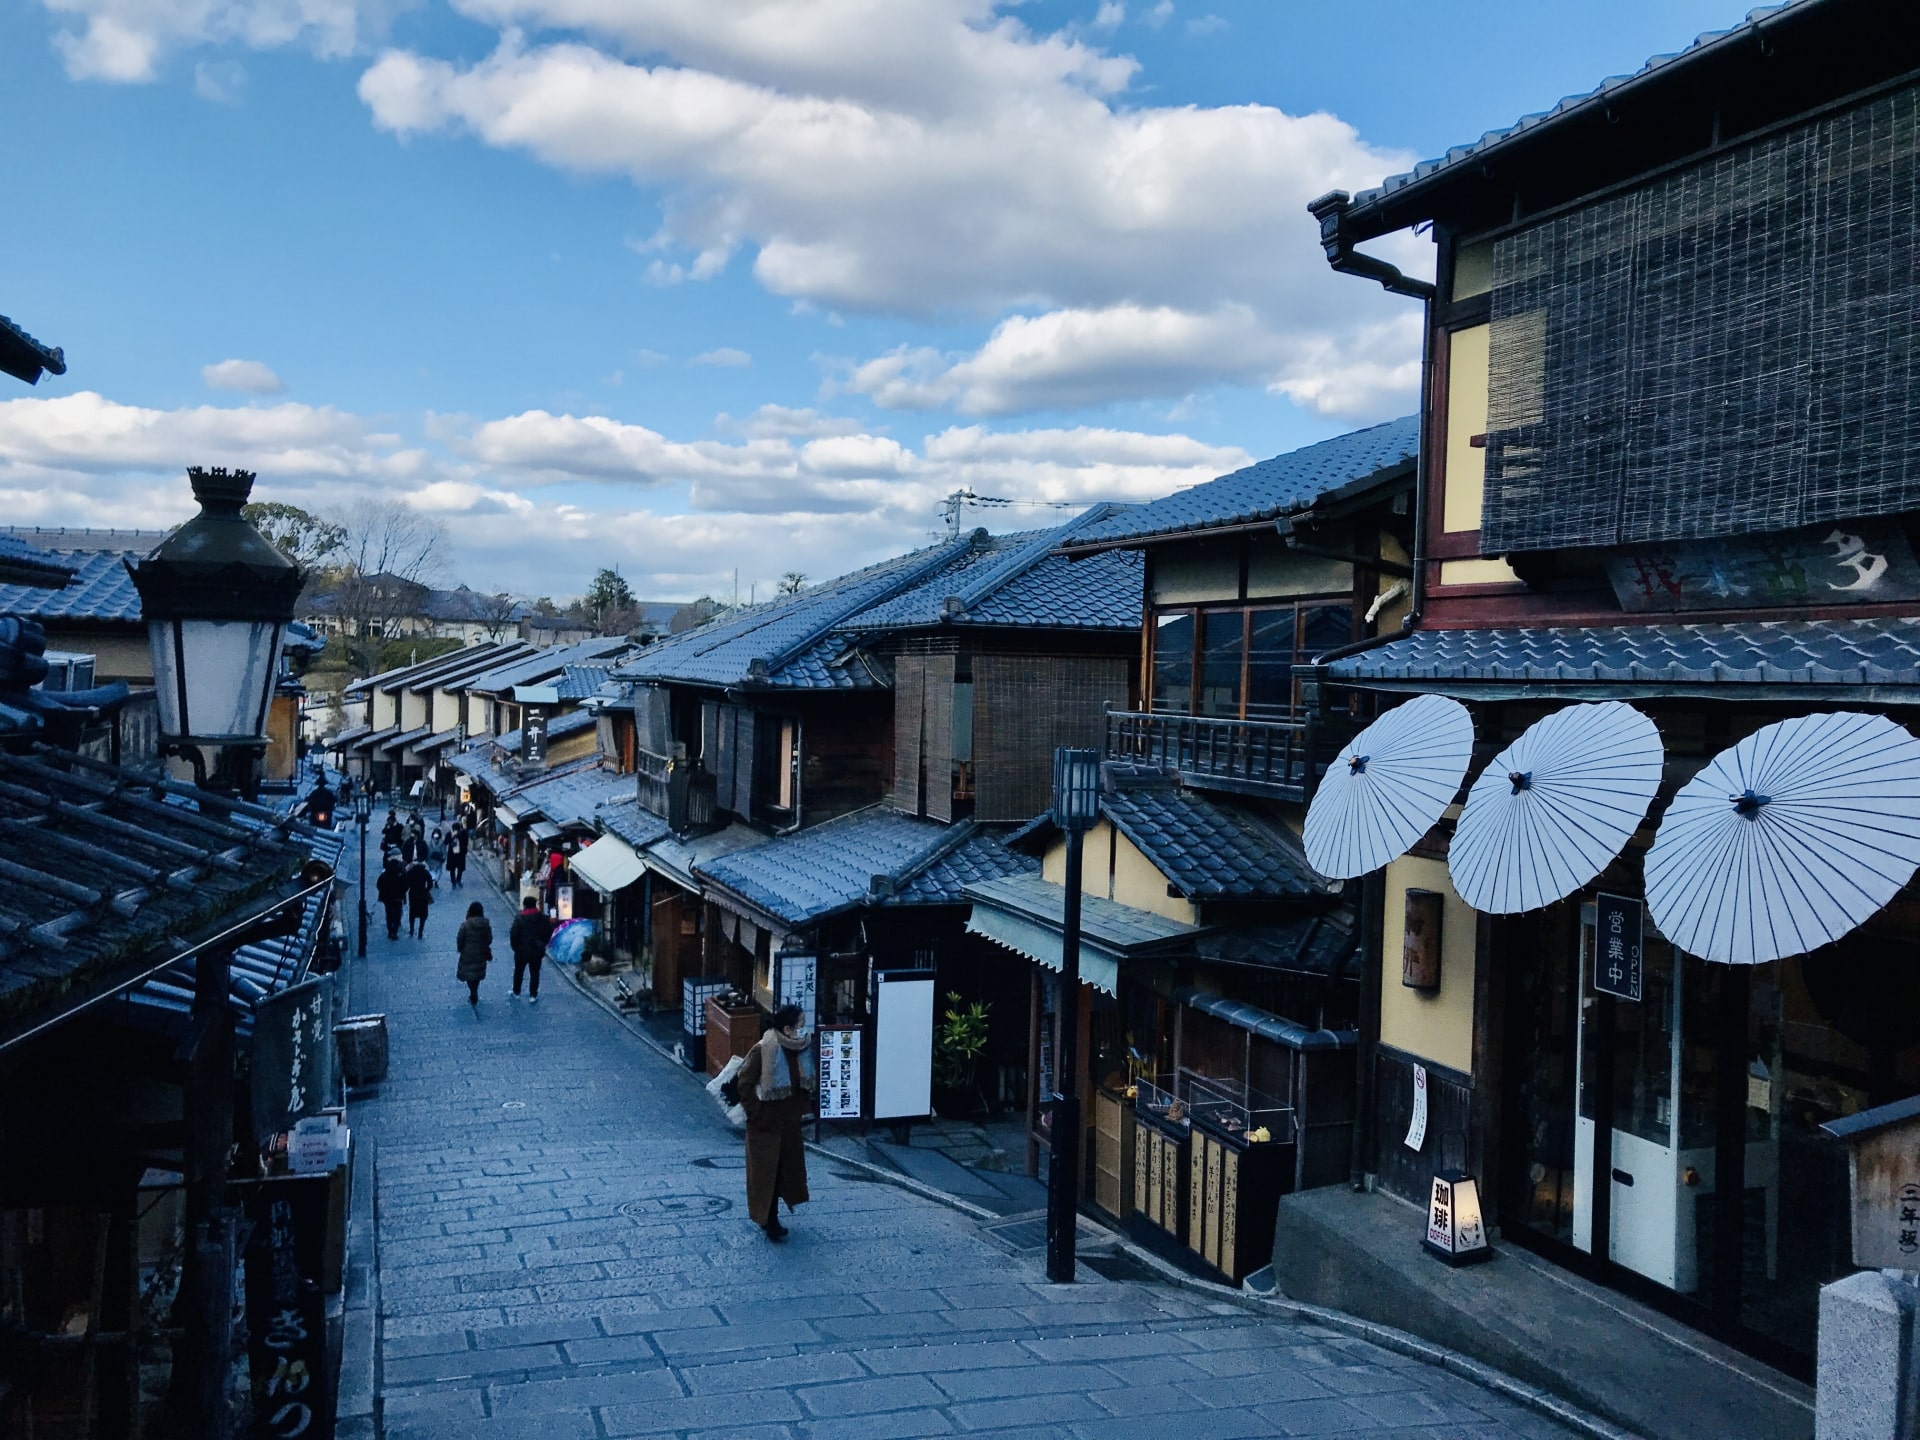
(230, 667)
(166, 676)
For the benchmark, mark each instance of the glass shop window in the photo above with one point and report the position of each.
(1173, 662)
(1270, 652)
(1222, 661)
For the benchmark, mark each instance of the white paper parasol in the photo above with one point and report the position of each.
(1388, 786)
(1555, 807)
(1788, 840)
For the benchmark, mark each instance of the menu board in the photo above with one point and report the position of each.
(840, 1072)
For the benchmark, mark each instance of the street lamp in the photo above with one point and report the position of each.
(362, 813)
(217, 597)
(1076, 806)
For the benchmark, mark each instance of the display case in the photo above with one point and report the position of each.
(733, 1028)
(1239, 1164)
(1162, 1137)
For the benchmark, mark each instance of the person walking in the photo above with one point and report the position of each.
(436, 849)
(776, 1087)
(474, 940)
(391, 891)
(419, 897)
(392, 833)
(457, 843)
(528, 935)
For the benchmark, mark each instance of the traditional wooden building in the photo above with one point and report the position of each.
(1667, 457)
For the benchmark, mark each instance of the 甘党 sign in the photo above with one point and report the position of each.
(797, 981)
(1618, 966)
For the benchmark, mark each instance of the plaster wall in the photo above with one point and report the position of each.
(1432, 1025)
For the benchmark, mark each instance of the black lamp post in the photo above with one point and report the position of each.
(217, 597)
(362, 813)
(1076, 806)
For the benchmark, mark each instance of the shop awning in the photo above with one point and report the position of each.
(608, 864)
(1027, 914)
(504, 817)
(372, 741)
(545, 830)
(1265, 1023)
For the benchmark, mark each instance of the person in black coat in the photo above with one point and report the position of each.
(458, 842)
(391, 891)
(392, 833)
(419, 897)
(528, 935)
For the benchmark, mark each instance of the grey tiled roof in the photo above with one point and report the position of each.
(1831, 653)
(1207, 850)
(1017, 580)
(25, 564)
(576, 797)
(101, 590)
(1484, 150)
(541, 664)
(982, 856)
(789, 643)
(427, 670)
(577, 682)
(24, 357)
(401, 739)
(1283, 485)
(805, 877)
(632, 822)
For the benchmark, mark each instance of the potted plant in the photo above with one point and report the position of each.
(958, 1041)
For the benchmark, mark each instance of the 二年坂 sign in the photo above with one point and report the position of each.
(1617, 967)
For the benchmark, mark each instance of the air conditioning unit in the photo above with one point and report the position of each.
(67, 671)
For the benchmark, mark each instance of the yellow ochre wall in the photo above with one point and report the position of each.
(1431, 1025)
(1112, 867)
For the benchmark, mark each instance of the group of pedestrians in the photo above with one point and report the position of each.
(527, 938)
(411, 860)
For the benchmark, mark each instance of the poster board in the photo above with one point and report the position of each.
(795, 983)
(840, 1072)
(903, 1044)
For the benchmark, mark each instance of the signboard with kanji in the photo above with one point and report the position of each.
(1617, 952)
(797, 982)
(840, 1072)
(286, 1308)
(293, 1055)
(1883, 1156)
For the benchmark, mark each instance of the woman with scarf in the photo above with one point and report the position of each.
(776, 1089)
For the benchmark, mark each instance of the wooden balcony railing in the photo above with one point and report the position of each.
(1280, 758)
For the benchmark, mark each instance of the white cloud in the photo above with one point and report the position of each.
(254, 377)
(726, 356)
(221, 81)
(1206, 25)
(782, 421)
(863, 152)
(125, 40)
(535, 501)
(1109, 15)
(1160, 12)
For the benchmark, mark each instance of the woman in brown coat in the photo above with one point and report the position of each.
(776, 1089)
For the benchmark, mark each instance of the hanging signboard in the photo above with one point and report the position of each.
(286, 1307)
(840, 1072)
(1617, 967)
(563, 902)
(1863, 562)
(533, 736)
(293, 1055)
(1417, 1122)
(795, 984)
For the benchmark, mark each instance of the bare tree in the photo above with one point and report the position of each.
(497, 613)
(792, 583)
(390, 556)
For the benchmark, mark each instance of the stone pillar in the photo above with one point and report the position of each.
(1869, 1379)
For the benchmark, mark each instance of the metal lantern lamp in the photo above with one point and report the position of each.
(1456, 1230)
(1076, 807)
(217, 597)
(362, 814)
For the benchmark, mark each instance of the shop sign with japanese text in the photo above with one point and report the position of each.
(1617, 967)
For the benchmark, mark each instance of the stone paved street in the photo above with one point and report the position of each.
(564, 1253)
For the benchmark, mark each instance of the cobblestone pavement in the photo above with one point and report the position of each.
(564, 1252)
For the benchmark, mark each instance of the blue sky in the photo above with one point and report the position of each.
(691, 287)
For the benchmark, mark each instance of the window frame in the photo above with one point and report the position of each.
(1300, 605)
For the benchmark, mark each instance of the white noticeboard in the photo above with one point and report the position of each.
(840, 1073)
(797, 974)
(903, 1044)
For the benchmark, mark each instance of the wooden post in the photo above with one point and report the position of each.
(206, 1281)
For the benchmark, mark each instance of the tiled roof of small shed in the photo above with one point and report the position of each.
(807, 876)
(1210, 851)
(982, 856)
(633, 822)
(101, 590)
(1281, 486)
